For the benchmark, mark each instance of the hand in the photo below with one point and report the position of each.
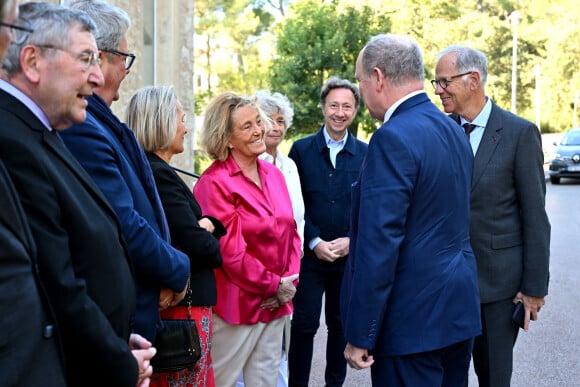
(286, 289)
(340, 246)
(143, 358)
(270, 303)
(532, 305)
(207, 224)
(165, 298)
(324, 251)
(177, 297)
(357, 358)
(137, 341)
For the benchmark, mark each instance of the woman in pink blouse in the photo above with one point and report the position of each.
(261, 249)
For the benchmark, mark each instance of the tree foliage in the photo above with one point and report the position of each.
(314, 43)
(293, 46)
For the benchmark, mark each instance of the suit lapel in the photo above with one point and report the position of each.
(489, 142)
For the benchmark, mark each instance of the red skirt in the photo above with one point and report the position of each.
(200, 375)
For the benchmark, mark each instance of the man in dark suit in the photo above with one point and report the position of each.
(510, 231)
(328, 163)
(80, 252)
(409, 302)
(109, 152)
(29, 346)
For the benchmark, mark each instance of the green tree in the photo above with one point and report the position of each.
(317, 41)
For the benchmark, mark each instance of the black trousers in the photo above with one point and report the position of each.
(305, 322)
(493, 350)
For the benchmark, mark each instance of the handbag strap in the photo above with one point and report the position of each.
(188, 294)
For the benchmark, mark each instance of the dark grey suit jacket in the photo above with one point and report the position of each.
(29, 347)
(510, 231)
(82, 257)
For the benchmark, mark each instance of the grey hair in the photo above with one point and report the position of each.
(467, 59)
(398, 57)
(51, 24)
(112, 22)
(272, 103)
(152, 115)
(337, 83)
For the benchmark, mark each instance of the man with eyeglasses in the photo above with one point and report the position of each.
(328, 163)
(509, 230)
(109, 152)
(81, 256)
(27, 358)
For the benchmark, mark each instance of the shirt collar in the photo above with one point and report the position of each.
(330, 142)
(394, 107)
(27, 101)
(482, 118)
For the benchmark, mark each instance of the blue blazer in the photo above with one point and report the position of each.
(157, 264)
(411, 281)
(326, 191)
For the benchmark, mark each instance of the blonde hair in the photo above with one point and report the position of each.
(217, 126)
(152, 115)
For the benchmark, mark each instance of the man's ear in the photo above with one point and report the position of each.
(474, 80)
(378, 79)
(31, 61)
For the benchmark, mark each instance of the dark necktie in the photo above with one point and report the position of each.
(468, 128)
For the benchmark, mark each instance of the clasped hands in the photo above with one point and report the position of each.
(332, 250)
(285, 293)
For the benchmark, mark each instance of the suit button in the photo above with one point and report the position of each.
(48, 331)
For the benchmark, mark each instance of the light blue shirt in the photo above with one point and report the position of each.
(480, 123)
(29, 103)
(334, 146)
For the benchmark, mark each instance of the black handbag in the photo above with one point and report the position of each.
(177, 343)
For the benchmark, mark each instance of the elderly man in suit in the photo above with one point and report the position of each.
(410, 303)
(109, 152)
(29, 347)
(510, 231)
(81, 255)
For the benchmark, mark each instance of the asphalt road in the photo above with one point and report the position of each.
(548, 355)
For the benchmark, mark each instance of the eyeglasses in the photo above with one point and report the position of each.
(444, 82)
(86, 58)
(129, 58)
(18, 32)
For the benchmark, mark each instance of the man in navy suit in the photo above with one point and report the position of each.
(109, 152)
(328, 163)
(510, 231)
(409, 301)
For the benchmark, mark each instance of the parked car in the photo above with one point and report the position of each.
(566, 159)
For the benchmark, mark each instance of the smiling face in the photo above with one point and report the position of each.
(247, 138)
(456, 95)
(275, 134)
(64, 81)
(339, 111)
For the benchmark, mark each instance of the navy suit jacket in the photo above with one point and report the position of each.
(326, 191)
(411, 282)
(157, 264)
(510, 230)
(81, 253)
